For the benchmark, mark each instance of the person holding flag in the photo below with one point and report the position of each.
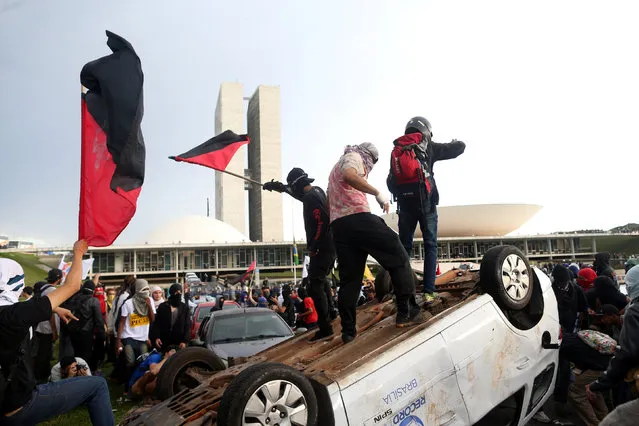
(319, 240)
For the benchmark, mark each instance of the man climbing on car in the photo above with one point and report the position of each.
(357, 233)
(319, 240)
(411, 180)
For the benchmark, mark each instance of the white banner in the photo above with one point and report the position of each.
(66, 266)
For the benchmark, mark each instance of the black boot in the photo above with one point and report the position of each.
(408, 312)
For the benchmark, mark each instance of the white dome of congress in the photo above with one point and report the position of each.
(196, 230)
(476, 220)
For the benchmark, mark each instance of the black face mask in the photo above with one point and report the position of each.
(175, 299)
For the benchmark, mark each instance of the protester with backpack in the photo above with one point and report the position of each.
(411, 180)
(24, 402)
(319, 240)
(90, 324)
(357, 233)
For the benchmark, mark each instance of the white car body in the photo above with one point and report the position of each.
(453, 372)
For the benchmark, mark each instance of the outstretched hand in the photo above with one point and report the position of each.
(274, 185)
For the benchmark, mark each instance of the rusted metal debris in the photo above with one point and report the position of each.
(323, 361)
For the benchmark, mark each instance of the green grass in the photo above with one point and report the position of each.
(29, 262)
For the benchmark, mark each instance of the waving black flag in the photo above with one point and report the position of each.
(216, 153)
(113, 152)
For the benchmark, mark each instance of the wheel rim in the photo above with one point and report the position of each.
(515, 278)
(276, 403)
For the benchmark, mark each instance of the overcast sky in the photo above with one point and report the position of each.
(545, 95)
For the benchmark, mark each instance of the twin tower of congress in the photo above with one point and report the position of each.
(264, 153)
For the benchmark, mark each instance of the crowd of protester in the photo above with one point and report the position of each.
(599, 352)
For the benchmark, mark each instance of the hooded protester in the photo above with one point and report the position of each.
(113, 324)
(586, 278)
(138, 313)
(25, 402)
(574, 270)
(625, 359)
(90, 322)
(411, 180)
(602, 267)
(287, 308)
(321, 250)
(172, 325)
(99, 294)
(358, 233)
(158, 296)
(571, 300)
(633, 261)
(604, 292)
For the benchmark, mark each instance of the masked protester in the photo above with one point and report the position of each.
(320, 245)
(626, 358)
(411, 180)
(586, 278)
(602, 267)
(138, 313)
(358, 233)
(172, 325)
(25, 402)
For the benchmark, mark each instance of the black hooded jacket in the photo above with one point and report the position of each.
(434, 152)
(605, 293)
(180, 332)
(627, 356)
(602, 267)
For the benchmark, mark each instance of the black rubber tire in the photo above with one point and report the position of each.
(491, 279)
(384, 285)
(248, 381)
(167, 385)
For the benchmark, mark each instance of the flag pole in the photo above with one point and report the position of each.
(241, 177)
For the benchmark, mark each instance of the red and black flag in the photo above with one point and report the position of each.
(113, 153)
(216, 153)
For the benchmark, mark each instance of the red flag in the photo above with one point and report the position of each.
(113, 152)
(250, 269)
(216, 153)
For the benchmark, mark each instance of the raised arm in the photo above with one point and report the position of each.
(74, 277)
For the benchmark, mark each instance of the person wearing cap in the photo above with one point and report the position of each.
(25, 402)
(586, 278)
(172, 324)
(68, 367)
(358, 233)
(417, 202)
(46, 332)
(319, 242)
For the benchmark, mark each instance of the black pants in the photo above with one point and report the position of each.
(356, 236)
(42, 361)
(319, 288)
(82, 342)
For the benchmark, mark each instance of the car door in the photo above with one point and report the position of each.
(417, 386)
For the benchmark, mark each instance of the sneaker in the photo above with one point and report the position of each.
(347, 338)
(414, 317)
(319, 336)
(430, 297)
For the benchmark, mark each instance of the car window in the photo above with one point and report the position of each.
(204, 312)
(248, 327)
(230, 306)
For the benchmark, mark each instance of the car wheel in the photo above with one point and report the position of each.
(268, 394)
(186, 369)
(506, 275)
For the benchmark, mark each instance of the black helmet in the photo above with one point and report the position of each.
(418, 124)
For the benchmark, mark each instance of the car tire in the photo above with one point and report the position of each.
(384, 285)
(251, 393)
(506, 275)
(174, 374)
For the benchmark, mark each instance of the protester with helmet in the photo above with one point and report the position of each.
(357, 233)
(411, 180)
(319, 240)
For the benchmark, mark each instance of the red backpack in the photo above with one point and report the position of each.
(405, 165)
